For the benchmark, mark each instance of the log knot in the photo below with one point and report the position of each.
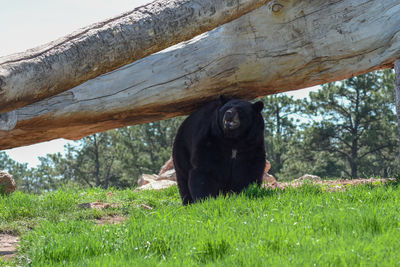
(275, 7)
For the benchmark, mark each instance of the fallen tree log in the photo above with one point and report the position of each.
(284, 45)
(45, 71)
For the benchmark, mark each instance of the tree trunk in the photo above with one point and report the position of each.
(354, 160)
(102, 47)
(273, 49)
(354, 169)
(96, 154)
(397, 87)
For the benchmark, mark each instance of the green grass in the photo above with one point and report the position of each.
(307, 226)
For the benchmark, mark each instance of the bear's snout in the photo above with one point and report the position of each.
(231, 119)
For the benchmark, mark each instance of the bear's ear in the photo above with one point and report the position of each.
(258, 106)
(223, 99)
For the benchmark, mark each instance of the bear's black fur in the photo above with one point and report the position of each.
(219, 149)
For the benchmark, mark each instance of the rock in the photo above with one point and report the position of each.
(268, 178)
(147, 178)
(169, 165)
(267, 166)
(158, 185)
(7, 183)
(168, 175)
(308, 177)
(165, 179)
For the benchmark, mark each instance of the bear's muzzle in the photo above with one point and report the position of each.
(231, 119)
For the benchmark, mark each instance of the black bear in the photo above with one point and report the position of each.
(219, 149)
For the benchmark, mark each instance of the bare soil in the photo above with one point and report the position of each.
(99, 205)
(8, 246)
(331, 185)
(116, 219)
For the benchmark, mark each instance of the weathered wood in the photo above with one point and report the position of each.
(397, 88)
(8, 120)
(102, 47)
(282, 46)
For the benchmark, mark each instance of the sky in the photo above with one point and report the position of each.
(25, 24)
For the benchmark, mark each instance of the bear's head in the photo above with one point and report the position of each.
(236, 117)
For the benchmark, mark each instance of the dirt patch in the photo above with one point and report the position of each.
(8, 246)
(147, 207)
(331, 185)
(110, 219)
(116, 219)
(99, 205)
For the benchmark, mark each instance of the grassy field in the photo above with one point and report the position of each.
(307, 226)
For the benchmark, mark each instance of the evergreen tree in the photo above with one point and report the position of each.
(148, 146)
(114, 158)
(280, 126)
(24, 177)
(307, 154)
(355, 123)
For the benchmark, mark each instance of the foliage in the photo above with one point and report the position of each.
(280, 127)
(147, 147)
(305, 156)
(24, 177)
(353, 131)
(115, 158)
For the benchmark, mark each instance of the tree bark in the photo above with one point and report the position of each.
(282, 46)
(102, 47)
(397, 87)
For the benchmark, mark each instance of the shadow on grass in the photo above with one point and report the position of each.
(254, 191)
(394, 183)
(212, 250)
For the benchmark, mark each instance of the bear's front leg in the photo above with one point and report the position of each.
(247, 171)
(202, 185)
(184, 188)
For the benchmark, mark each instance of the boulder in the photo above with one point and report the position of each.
(147, 178)
(168, 175)
(166, 178)
(7, 183)
(158, 185)
(169, 165)
(267, 166)
(268, 178)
